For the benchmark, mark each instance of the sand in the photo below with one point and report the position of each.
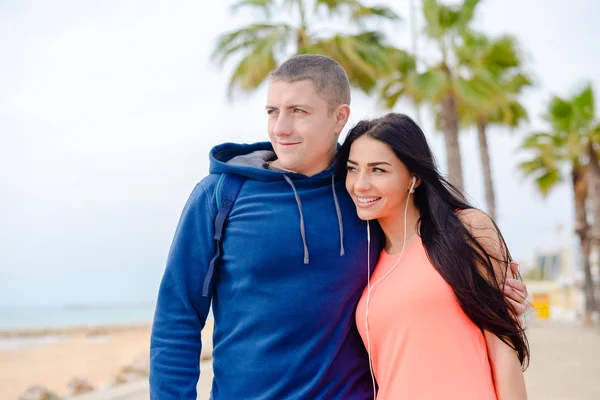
(95, 354)
(564, 366)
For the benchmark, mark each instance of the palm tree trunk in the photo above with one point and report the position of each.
(580, 190)
(449, 126)
(414, 49)
(590, 299)
(300, 41)
(301, 35)
(487, 168)
(594, 189)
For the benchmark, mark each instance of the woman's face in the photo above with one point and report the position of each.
(377, 180)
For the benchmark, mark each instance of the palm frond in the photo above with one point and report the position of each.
(432, 12)
(517, 82)
(363, 56)
(559, 114)
(252, 71)
(548, 180)
(357, 10)
(583, 108)
(362, 12)
(465, 13)
(244, 40)
(430, 85)
(545, 162)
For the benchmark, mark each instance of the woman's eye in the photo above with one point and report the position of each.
(350, 168)
(378, 170)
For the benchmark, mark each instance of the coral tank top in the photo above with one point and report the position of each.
(422, 345)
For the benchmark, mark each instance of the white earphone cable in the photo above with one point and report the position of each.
(369, 287)
(367, 312)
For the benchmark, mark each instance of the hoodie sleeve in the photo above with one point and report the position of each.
(181, 310)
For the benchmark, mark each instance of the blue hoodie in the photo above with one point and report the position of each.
(283, 297)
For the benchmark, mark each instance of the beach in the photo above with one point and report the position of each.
(564, 363)
(51, 361)
(52, 357)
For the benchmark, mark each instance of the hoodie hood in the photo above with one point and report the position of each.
(250, 161)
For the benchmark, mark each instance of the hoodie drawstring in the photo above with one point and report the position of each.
(302, 231)
(339, 215)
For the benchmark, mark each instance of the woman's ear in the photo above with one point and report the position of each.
(415, 182)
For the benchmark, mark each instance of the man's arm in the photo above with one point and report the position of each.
(516, 291)
(181, 310)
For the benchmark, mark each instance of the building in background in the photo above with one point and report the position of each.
(555, 281)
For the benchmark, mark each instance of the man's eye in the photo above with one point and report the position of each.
(298, 110)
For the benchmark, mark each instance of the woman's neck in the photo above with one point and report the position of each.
(393, 228)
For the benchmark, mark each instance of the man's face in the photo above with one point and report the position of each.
(302, 130)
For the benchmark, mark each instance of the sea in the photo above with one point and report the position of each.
(25, 318)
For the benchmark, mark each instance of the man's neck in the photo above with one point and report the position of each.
(312, 172)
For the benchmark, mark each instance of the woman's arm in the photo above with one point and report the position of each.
(506, 367)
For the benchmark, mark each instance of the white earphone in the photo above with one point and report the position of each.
(369, 287)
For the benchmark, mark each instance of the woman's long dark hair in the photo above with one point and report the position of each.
(454, 252)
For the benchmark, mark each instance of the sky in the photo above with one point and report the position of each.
(108, 110)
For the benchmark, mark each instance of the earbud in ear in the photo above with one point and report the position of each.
(414, 182)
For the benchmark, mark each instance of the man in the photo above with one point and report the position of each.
(293, 264)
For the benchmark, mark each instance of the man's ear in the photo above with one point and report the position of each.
(342, 113)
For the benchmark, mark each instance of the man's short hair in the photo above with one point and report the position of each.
(328, 76)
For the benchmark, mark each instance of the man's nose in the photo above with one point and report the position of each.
(283, 125)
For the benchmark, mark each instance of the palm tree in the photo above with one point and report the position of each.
(260, 47)
(443, 84)
(497, 64)
(567, 144)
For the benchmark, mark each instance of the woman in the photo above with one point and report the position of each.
(433, 316)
